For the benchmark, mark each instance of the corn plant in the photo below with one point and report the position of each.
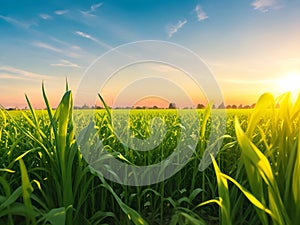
(44, 178)
(272, 170)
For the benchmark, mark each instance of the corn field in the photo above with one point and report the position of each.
(254, 178)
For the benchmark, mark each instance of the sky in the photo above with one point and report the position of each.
(249, 46)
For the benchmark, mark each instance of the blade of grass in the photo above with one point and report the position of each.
(223, 195)
(27, 189)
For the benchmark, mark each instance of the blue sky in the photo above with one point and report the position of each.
(250, 45)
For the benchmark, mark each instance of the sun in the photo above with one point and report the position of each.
(290, 82)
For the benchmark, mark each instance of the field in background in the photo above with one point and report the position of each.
(254, 179)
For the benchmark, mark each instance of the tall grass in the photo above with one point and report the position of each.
(56, 183)
(254, 179)
(271, 163)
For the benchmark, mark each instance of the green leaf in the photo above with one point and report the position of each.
(27, 189)
(266, 101)
(106, 108)
(133, 215)
(251, 197)
(56, 216)
(191, 220)
(224, 195)
(11, 199)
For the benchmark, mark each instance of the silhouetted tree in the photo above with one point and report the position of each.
(85, 106)
(200, 106)
(172, 105)
(221, 106)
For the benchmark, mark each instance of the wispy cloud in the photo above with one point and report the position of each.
(65, 63)
(63, 47)
(7, 76)
(7, 72)
(18, 23)
(201, 15)
(172, 29)
(45, 16)
(61, 12)
(90, 37)
(67, 50)
(96, 6)
(75, 47)
(47, 46)
(93, 8)
(74, 51)
(80, 33)
(266, 5)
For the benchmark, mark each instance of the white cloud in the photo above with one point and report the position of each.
(96, 6)
(201, 15)
(74, 51)
(15, 22)
(172, 29)
(74, 55)
(61, 12)
(45, 16)
(10, 77)
(7, 72)
(75, 47)
(64, 47)
(93, 8)
(65, 63)
(68, 50)
(87, 13)
(87, 36)
(266, 5)
(46, 46)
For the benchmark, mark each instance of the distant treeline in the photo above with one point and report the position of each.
(172, 105)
